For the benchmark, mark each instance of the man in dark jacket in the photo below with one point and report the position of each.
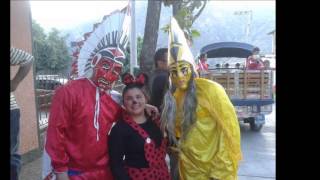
(159, 77)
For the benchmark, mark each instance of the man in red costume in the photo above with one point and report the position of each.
(81, 116)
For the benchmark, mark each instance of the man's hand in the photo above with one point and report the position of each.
(152, 111)
(62, 176)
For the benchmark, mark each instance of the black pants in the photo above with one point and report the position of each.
(15, 158)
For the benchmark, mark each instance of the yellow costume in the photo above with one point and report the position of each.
(209, 143)
(212, 146)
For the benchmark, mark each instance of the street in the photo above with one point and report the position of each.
(258, 149)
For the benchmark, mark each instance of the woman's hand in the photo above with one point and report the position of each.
(152, 111)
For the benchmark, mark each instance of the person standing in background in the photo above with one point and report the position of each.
(25, 61)
(159, 79)
(202, 65)
(254, 62)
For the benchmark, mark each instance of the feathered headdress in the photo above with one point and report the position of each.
(108, 38)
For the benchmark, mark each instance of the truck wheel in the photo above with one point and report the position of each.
(255, 127)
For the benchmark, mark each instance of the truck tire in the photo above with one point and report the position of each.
(255, 127)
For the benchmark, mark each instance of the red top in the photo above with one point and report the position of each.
(71, 135)
(203, 66)
(254, 64)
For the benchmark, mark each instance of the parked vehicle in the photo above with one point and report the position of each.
(250, 91)
(45, 87)
(49, 82)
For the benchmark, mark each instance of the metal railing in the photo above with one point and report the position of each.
(45, 85)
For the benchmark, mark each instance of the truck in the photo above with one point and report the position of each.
(250, 91)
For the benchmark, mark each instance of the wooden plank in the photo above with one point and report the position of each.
(262, 84)
(245, 85)
(241, 83)
(228, 82)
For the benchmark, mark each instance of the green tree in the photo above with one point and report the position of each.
(50, 51)
(186, 12)
(60, 58)
(40, 46)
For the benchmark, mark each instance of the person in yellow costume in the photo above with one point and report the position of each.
(200, 120)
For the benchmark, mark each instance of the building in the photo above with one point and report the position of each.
(20, 37)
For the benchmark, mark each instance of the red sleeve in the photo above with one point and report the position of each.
(119, 113)
(56, 138)
(207, 67)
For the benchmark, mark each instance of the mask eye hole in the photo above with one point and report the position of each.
(173, 73)
(106, 66)
(184, 70)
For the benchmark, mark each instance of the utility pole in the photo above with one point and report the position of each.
(133, 42)
(249, 21)
(273, 33)
(249, 25)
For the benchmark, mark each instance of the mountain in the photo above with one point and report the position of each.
(217, 23)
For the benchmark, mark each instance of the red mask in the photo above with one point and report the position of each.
(105, 73)
(107, 67)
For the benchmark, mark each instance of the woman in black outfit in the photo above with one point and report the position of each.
(137, 147)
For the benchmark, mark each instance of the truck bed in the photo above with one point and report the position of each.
(243, 84)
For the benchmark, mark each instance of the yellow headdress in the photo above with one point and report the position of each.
(178, 49)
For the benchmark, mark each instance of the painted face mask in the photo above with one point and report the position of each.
(180, 58)
(106, 72)
(180, 74)
(107, 66)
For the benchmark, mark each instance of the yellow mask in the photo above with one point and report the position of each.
(180, 58)
(180, 74)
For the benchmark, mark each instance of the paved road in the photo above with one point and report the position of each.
(258, 150)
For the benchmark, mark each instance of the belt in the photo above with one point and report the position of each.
(73, 172)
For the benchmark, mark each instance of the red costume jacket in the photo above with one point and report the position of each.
(72, 143)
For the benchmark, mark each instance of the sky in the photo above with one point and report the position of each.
(68, 14)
